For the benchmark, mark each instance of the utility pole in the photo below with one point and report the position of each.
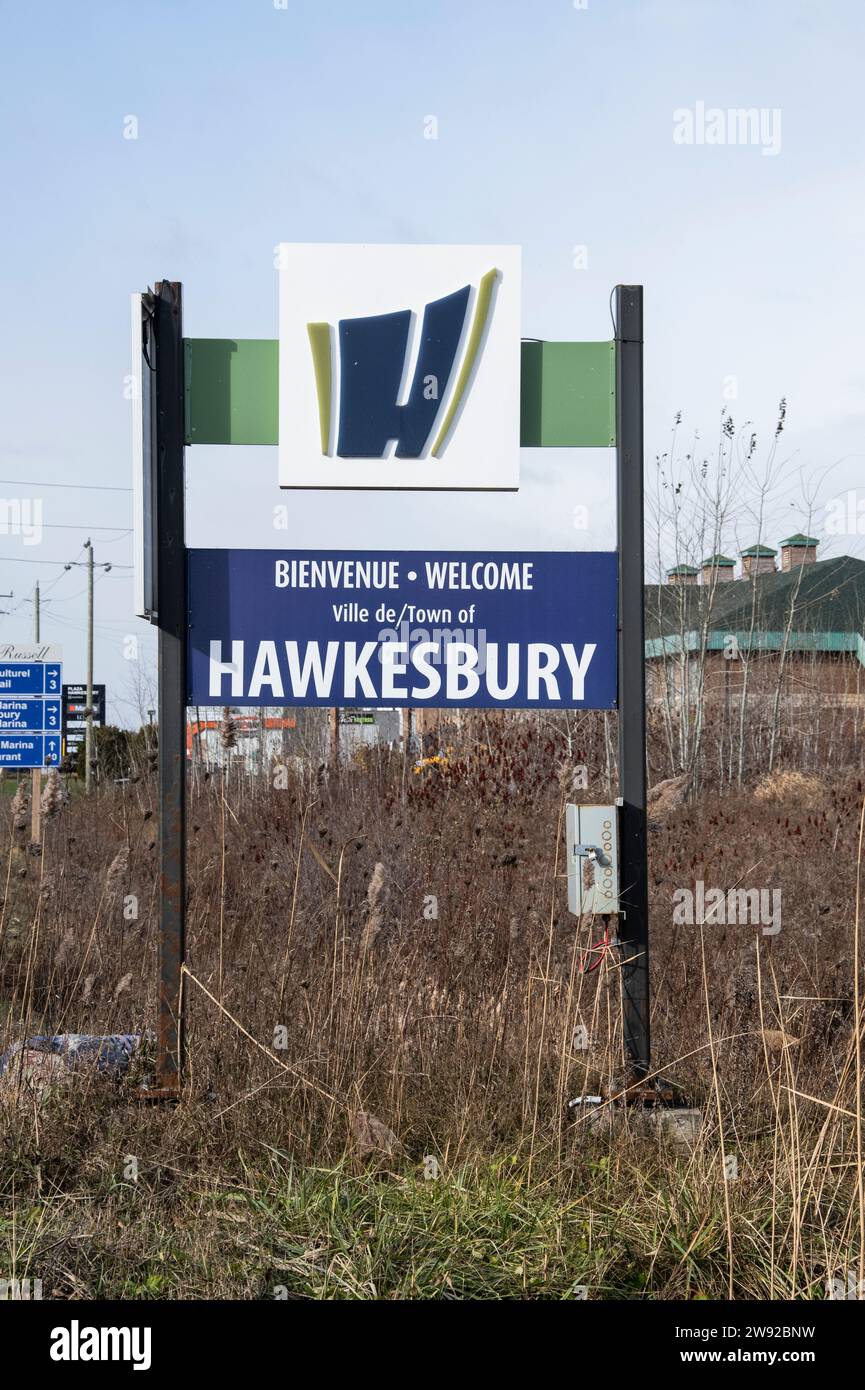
(633, 846)
(88, 713)
(36, 774)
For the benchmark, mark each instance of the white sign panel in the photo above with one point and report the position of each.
(399, 367)
(31, 653)
(143, 479)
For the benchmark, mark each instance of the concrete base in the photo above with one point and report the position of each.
(667, 1124)
(682, 1127)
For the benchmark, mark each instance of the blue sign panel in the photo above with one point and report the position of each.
(29, 750)
(53, 678)
(22, 678)
(446, 630)
(29, 714)
(29, 678)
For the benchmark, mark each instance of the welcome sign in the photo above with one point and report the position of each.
(399, 366)
(404, 628)
(396, 368)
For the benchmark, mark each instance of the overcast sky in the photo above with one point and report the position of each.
(258, 123)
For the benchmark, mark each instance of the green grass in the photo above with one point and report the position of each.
(641, 1224)
(477, 1234)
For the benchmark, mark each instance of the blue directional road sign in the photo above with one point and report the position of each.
(30, 708)
(30, 678)
(29, 750)
(29, 715)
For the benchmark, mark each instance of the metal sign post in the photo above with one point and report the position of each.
(633, 849)
(171, 620)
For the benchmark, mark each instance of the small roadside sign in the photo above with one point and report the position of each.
(28, 715)
(75, 715)
(30, 710)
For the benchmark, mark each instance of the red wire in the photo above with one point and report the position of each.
(601, 947)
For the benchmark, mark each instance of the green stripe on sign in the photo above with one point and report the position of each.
(567, 393)
(232, 390)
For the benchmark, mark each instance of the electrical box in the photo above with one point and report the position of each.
(592, 839)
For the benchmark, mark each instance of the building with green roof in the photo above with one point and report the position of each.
(798, 550)
(701, 636)
(758, 559)
(682, 574)
(718, 569)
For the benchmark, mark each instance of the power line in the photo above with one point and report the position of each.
(84, 487)
(65, 564)
(67, 598)
(104, 632)
(83, 526)
(53, 584)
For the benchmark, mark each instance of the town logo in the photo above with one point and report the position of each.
(399, 367)
(373, 367)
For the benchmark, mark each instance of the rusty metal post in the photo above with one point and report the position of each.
(172, 622)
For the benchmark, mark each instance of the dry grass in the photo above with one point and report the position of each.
(385, 997)
(788, 787)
